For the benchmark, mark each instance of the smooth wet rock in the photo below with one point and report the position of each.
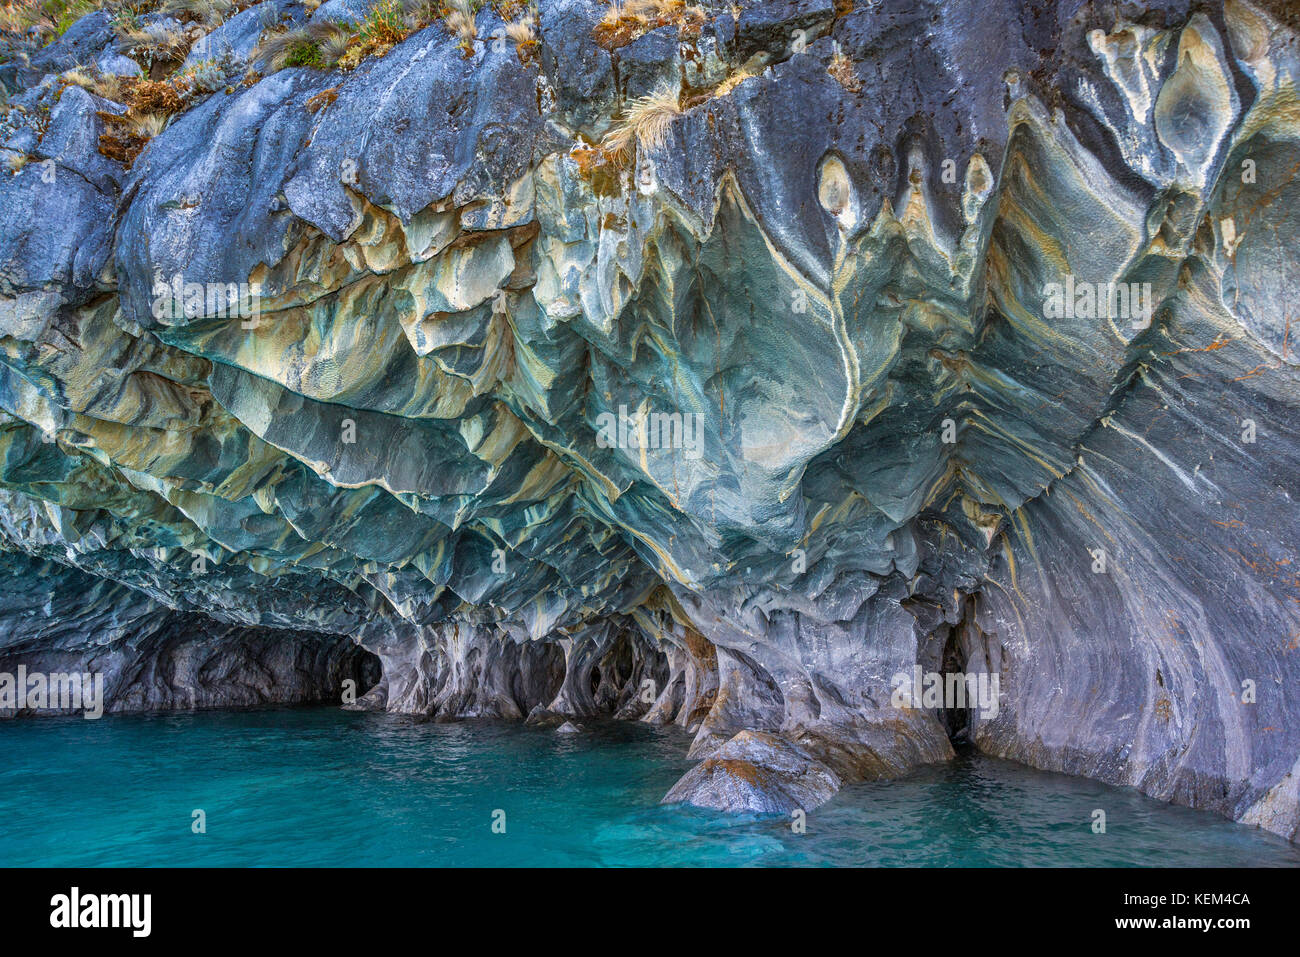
(757, 772)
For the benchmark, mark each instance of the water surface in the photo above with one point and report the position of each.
(323, 787)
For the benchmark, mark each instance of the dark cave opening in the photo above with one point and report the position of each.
(628, 677)
(949, 688)
(362, 667)
(956, 711)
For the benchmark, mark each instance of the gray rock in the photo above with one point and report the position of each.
(776, 27)
(81, 43)
(24, 140)
(352, 11)
(232, 43)
(72, 139)
(578, 72)
(760, 773)
(112, 63)
(650, 63)
(69, 259)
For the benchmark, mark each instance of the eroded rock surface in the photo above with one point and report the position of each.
(830, 279)
(139, 655)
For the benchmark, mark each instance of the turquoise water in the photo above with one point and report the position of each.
(322, 787)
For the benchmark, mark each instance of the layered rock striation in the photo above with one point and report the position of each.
(943, 334)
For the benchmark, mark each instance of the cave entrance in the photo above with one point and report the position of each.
(364, 668)
(962, 689)
(955, 713)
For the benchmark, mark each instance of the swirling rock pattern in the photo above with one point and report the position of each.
(835, 266)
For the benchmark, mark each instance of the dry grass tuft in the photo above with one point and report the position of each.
(124, 138)
(628, 19)
(462, 24)
(461, 21)
(159, 44)
(151, 105)
(318, 45)
(334, 41)
(734, 80)
(523, 33)
(646, 122)
(105, 85)
(327, 45)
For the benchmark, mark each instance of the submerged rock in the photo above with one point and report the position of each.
(716, 375)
